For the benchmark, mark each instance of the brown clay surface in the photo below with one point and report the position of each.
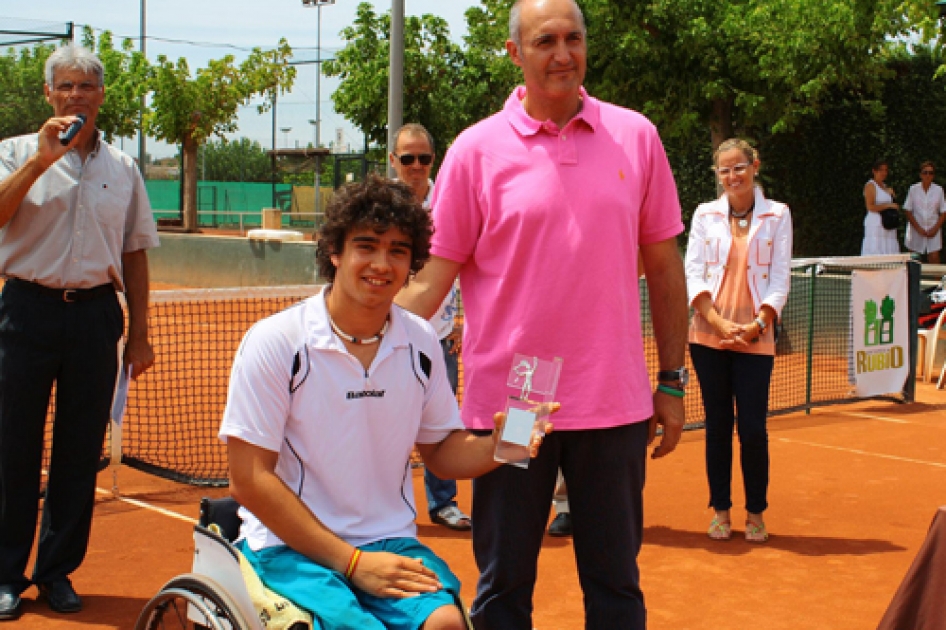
(851, 500)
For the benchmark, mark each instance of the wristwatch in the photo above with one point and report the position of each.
(761, 324)
(680, 375)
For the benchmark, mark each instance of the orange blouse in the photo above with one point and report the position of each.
(734, 302)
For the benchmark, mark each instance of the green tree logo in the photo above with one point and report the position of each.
(879, 331)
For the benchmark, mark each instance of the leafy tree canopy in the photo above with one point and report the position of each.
(23, 108)
(189, 110)
(718, 65)
(735, 65)
(241, 160)
(432, 65)
(127, 73)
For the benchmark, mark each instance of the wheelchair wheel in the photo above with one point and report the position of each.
(191, 602)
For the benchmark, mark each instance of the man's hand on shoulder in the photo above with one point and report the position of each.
(384, 574)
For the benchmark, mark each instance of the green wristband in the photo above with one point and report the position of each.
(673, 391)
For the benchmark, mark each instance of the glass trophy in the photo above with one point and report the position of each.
(533, 382)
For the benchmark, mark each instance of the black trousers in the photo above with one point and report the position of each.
(45, 340)
(727, 377)
(604, 470)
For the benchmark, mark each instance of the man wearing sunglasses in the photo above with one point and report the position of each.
(412, 159)
(925, 207)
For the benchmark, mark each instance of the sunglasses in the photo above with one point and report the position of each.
(927, 173)
(407, 159)
(738, 169)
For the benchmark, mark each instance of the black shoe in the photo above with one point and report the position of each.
(10, 608)
(561, 525)
(61, 596)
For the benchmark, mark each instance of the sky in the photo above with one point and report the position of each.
(201, 30)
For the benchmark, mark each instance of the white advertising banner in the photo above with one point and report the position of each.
(881, 331)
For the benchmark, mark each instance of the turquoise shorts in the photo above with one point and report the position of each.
(332, 600)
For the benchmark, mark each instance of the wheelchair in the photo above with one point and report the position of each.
(213, 596)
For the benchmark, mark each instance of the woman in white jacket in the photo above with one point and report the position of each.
(738, 268)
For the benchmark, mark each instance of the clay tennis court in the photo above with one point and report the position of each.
(854, 488)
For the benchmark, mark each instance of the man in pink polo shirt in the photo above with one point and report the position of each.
(541, 209)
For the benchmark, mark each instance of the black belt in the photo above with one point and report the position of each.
(66, 295)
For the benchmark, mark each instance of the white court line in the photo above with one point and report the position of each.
(148, 506)
(872, 417)
(860, 452)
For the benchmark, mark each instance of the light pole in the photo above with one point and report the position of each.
(395, 75)
(285, 131)
(317, 179)
(318, 96)
(141, 114)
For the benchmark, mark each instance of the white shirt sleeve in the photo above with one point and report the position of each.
(440, 416)
(258, 400)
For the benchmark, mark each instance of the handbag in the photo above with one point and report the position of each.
(890, 219)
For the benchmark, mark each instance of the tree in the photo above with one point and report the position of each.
(242, 160)
(432, 65)
(362, 66)
(23, 108)
(127, 75)
(187, 111)
(738, 65)
(488, 76)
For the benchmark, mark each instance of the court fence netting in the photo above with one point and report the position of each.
(174, 410)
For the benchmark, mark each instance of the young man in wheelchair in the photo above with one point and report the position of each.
(326, 401)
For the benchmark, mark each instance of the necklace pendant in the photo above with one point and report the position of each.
(743, 223)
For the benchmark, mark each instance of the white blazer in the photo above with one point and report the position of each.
(770, 251)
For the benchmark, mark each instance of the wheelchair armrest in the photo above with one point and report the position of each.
(223, 512)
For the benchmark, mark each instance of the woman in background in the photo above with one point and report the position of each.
(738, 264)
(924, 211)
(878, 197)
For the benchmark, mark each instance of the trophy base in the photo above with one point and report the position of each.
(512, 454)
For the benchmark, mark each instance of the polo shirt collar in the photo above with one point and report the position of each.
(590, 113)
(319, 331)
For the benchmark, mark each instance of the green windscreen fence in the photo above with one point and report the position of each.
(227, 204)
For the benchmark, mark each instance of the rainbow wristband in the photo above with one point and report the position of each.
(672, 391)
(352, 563)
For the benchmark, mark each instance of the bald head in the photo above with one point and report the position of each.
(515, 16)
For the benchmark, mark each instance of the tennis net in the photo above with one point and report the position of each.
(174, 409)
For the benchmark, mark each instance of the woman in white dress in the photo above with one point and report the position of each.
(924, 210)
(878, 196)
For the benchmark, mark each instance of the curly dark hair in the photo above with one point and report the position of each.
(379, 204)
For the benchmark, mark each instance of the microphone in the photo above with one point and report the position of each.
(66, 137)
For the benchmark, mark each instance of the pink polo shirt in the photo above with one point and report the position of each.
(546, 222)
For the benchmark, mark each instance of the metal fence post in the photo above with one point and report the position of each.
(913, 305)
(813, 273)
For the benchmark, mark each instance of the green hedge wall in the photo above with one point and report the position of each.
(821, 167)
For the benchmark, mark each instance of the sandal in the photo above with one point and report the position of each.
(451, 516)
(756, 532)
(719, 530)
